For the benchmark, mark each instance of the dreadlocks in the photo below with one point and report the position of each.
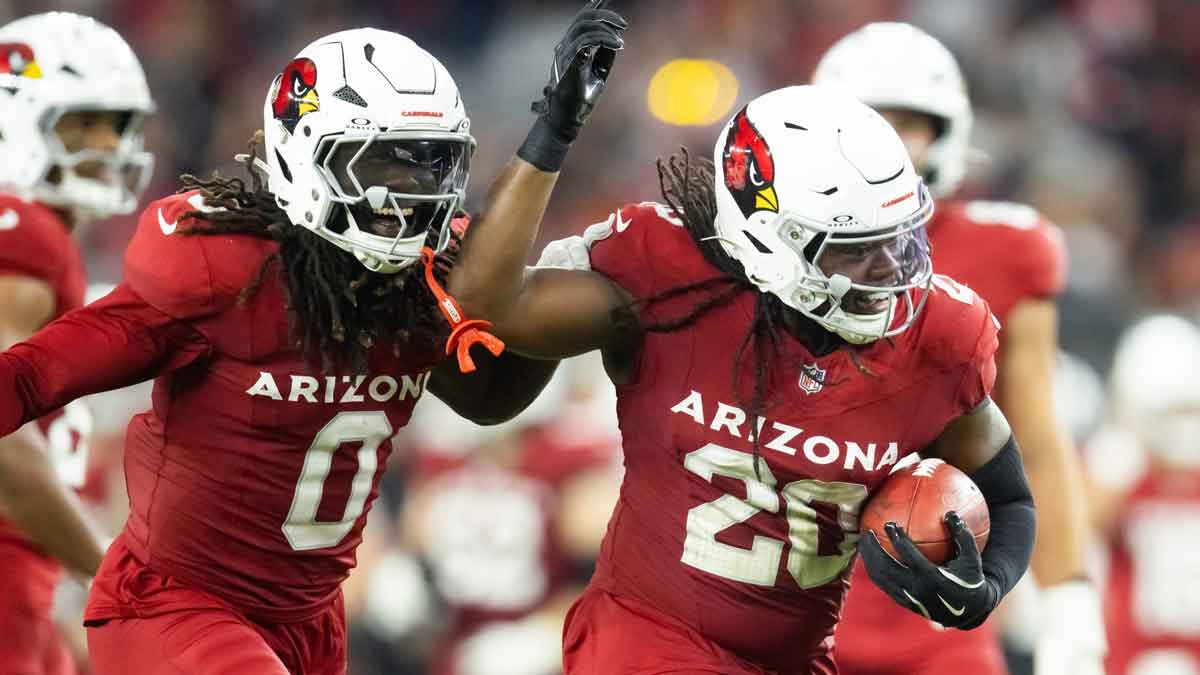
(337, 310)
(687, 188)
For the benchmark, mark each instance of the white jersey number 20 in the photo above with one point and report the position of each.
(817, 554)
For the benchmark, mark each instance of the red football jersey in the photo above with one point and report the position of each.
(758, 564)
(36, 243)
(1152, 602)
(251, 476)
(1007, 253)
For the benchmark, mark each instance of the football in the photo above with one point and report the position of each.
(917, 498)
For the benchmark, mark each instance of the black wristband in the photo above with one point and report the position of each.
(1010, 504)
(544, 147)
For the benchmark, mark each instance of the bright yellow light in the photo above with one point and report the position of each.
(692, 92)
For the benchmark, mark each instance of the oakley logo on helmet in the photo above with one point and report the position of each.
(749, 168)
(296, 93)
(17, 59)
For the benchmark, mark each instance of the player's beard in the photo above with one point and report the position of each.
(339, 319)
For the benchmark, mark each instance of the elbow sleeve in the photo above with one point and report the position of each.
(1013, 522)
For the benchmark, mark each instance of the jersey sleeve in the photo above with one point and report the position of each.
(1044, 269)
(960, 336)
(31, 242)
(187, 276)
(634, 248)
(114, 342)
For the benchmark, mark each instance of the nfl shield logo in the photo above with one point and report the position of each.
(812, 378)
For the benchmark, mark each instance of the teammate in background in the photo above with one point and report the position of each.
(290, 327)
(1010, 255)
(1146, 500)
(778, 343)
(533, 501)
(72, 100)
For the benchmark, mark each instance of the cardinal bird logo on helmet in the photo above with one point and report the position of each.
(749, 169)
(17, 59)
(296, 93)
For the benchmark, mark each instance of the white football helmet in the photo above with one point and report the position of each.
(368, 145)
(818, 200)
(57, 63)
(897, 65)
(1154, 388)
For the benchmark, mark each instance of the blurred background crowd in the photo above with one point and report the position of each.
(1086, 109)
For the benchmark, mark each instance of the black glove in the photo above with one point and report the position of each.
(583, 58)
(956, 595)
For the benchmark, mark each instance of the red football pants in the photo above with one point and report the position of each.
(936, 652)
(218, 642)
(140, 622)
(607, 635)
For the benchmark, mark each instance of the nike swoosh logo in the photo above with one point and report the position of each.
(622, 224)
(959, 580)
(918, 603)
(167, 228)
(951, 609)
(9, 220)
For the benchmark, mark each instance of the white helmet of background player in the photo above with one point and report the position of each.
(57, 63)
(1155, 388)
(818, 200)
(897, 65)
(367, 145)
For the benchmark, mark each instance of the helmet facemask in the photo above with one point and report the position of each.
(854, 284)
(95, 183)
(395, 189)
(857, 284)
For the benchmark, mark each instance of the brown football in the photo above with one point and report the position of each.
(917, 498)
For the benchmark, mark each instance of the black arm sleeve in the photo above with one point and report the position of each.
(1010, 503)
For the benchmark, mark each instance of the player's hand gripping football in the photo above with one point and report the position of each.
(583, 59)
(956, 595)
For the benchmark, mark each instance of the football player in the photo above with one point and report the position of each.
(778, 343)
(1147, 500)
(290, 323)
(1014, 258)
(72, 101)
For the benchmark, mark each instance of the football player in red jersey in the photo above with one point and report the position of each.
(290, 327)
(778, 343)
(72, 99)
(1146, 473)
(914, 82)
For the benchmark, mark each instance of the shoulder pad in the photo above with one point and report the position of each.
(646, 250)
(1030, 240)
(189, 275)
(958, 332)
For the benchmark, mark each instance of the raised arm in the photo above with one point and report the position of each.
(545, 313)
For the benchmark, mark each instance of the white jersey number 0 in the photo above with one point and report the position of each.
(301, 528)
